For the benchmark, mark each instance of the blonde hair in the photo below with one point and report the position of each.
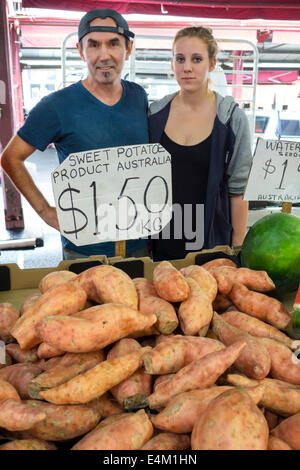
(203, 33)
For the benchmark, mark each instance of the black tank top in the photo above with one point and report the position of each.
(190, 165)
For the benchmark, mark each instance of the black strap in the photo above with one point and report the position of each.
(112, 29)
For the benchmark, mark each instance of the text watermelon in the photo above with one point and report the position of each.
(272, 244)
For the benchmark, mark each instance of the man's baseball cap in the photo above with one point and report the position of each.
(120, 28)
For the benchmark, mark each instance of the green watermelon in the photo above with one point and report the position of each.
(272, 244)
(297, 300)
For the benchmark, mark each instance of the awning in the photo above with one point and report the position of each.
(47, 35)
(269, 77)
(235, 9)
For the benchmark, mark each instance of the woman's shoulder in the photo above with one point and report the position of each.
(157, 106)
(228, 108)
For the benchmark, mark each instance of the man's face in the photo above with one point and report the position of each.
(104, 53)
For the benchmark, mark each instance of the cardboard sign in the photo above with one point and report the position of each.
(112, 194)
(275, 172)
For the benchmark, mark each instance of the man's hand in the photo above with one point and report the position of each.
(49, 215)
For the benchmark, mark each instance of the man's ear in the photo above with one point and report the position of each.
(80, 51)
(128, 50)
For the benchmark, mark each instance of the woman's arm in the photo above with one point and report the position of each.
(239, 217)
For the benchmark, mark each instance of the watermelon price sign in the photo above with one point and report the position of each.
(113, 194)
(275, 172)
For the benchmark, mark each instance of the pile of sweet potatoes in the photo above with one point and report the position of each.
(195, 359)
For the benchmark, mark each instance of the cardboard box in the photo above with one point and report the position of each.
(144, 267)
(16, 284)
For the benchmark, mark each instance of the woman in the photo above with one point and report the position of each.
(208, 138)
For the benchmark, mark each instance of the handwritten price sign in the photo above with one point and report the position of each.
(113, 194)
(275, 172)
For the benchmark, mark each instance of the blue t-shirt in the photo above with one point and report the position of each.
(75, 121)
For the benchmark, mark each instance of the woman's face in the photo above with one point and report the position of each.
(191, 64)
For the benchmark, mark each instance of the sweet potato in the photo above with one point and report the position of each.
(160, 379)
(277, 444)
(19, 355)
(142, 333)
(169, 283)
(66, 359)
(226, 276)
(284, 364)
(165, 358)
(170, 356)
(122, 347)
(96, 381)
(216, 263)
(8, 317)
(260, 306)
(221, 303)
(201, 373)
(256, 327)
(279, 397)
(192, 339)
(272, 419)
(93, 328)
(222, 425)
(139, 382)
(53, 361)
(19, 375)
(65, 298)
(255, 393)
(129, 433)
(211, 335)
(165, 312)
(46, 351)
(168, 441)
(17, 416)
(107, 284)
(196, 312)
(254, 360)
(203, 278)
(106, 405)
(8, 391)
(62, 422)
(167, 320)
(8, 361)
(182, 411)
(288, 431)
(60, 374)
(28, 302)
(28, 444)
(111, 420)
(144, 287)
(54, 279)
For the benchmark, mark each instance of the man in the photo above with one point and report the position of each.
(98, 112)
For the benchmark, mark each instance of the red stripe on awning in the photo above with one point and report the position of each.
(235, 9)
(47, 35)
(269, 77)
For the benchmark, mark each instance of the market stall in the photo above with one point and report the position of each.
(85, 369)
(200, 353)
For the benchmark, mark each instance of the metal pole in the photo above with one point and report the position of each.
(11, 196)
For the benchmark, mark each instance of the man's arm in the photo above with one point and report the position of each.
(12, 162)
(239, 217)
